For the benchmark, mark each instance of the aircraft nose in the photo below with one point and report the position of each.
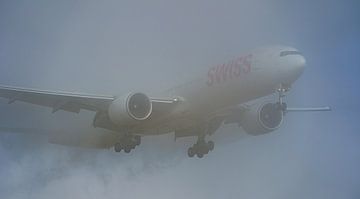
(298, 64)
(292, 68)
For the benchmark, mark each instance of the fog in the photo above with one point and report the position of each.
(114, 47)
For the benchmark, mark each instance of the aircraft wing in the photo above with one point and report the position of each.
(72, 102)
(22, 130)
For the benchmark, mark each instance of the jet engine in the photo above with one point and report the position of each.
(261, 119)
(130, 108)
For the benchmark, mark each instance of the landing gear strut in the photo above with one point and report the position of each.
(201, 147)
(127, 143)
(281, 105)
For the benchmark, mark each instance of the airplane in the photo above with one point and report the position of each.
(193, 109)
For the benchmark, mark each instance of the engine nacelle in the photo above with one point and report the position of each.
(130, 108)
(261, 119)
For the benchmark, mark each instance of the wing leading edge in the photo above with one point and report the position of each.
(72, 102)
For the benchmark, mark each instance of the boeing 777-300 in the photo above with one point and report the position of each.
(197, 108)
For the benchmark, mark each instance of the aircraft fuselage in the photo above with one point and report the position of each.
(252, 75)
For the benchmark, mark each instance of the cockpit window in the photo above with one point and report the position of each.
(289, 52)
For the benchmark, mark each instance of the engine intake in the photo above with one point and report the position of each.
(261, 119)
(130, 108)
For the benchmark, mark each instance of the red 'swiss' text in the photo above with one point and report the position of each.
(234, 69)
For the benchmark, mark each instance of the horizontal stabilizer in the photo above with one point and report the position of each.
(309, 109)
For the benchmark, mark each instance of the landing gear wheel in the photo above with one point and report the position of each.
(200, 155)
(127, 149)
(117, 147)
(191, 152)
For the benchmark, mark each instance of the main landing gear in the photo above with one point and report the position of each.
(127, 143)
(201, 147)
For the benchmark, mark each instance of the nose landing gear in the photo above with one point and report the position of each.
(281, 105)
